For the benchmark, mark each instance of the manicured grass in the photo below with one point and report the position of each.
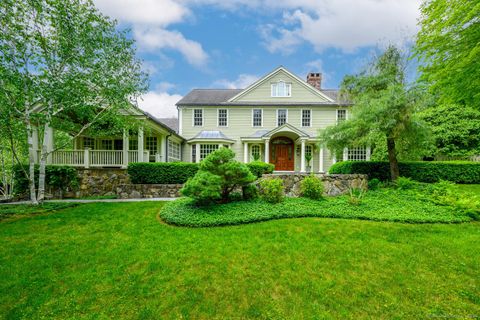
(115, 260)
(21, 210)
(380, 205)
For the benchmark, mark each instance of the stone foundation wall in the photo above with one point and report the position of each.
(335, 184)
(134, 191)
(100, 182)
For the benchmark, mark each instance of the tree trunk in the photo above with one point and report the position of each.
(31, 160)
(43, 163)
(392, 159)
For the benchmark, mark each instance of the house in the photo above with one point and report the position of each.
(276, 120)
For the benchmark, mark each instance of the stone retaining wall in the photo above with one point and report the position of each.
(335, 184)
(134, 191)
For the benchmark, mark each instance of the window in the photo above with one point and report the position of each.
(222, 117)
(257, 117)
(206, 149)
(357, 154)
(281, 89)
(133, 144)
(341, 115)
(151, 145)
(256, 152)
(194, 153)
(281, 117)
(198, 117)
(306, 118)
(173, 150)
(89, 143)
(308, 151)
(106, 144)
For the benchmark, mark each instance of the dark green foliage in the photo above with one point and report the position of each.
(162, 172)
(455, 171)
(250, 192)
(312, 187)
(218, 173)
(373, 184)
(57, 177)
(404, 183)
(258, 168)
(272, 190)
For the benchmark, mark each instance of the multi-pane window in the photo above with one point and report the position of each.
(281, 117)
(194, 153)
(151, 144)
(106, 144)
(222, 117)
(256, 152)
(89, 143)
(173, 151)
(198, 117)
(133, 144)
(306, 118)
(281, 89)
(341, 115)
(206, 149)
(308, 151)
(357, 154)
(257, 117)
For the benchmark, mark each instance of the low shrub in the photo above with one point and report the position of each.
(62, 178)
(455, 171)
(373, 184)
(404, 183)
(161, 172)
(355, 196)
(272, 190)
(204, 188)
(311, 187)
(258, 168)
(249, 192)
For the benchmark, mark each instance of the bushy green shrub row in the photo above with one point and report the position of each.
(454, 171)
(161, 172)
(58, 177)
(258, 168)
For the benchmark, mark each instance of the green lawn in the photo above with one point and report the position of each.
(115, 260)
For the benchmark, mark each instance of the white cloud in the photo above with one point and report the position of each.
(160, 104)
(152, 39)
(243, 81)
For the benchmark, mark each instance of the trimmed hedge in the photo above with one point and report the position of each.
(161, 172)
(58, 177)
(258, 168)
(455, 171)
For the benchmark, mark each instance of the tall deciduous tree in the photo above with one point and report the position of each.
(64, 64)
(448, 46)
(384, 108)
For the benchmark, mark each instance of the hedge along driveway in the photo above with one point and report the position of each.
(424, 171)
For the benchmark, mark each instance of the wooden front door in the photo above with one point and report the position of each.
(282, 154)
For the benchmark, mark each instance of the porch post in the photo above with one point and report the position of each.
(125, 148)
(345, 154)
(86, 158)
(163, 147)
(267, 150)
(302, 157)
(197, 153)
(35, 143)
(368, 153)
(140, 145)
(245, 152)
(320, 165)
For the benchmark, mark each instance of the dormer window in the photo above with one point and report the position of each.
(281, 89)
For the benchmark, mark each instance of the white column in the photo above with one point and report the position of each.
(245, 152)
(125, 148)
(86, 157)
(345, 154)
(267, 150)
(49, 143)
(302, 157)
(163, 149)
(140, 145)
(35, 143)
(368, 153)
(197, 153)
(320, 156)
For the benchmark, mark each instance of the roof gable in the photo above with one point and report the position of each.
(302, 92)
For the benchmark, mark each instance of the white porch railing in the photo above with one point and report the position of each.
(97, 158)
(71, 158)
(100, 158)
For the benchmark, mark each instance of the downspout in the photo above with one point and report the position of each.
(166, 147)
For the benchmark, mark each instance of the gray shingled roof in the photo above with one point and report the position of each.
(212, 135)
(221, 97)
(259, 133)
(172, 123)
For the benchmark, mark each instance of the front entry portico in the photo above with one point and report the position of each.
(282, 154)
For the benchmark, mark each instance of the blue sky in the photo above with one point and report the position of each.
(188, 44)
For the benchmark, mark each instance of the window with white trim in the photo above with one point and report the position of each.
(257, 117)
(133, 144)
(173, 150)
(106, 144)
(194, 153)
(281, 117)
(357, 154)
(151, 145)
(308, 151)
(88, 143)
(306, 118)
(341, 115)
(198, 117)
(222, 117)
(255, 152)
(281, 89)
(206, 149)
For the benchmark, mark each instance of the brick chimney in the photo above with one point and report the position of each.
(314, 79)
